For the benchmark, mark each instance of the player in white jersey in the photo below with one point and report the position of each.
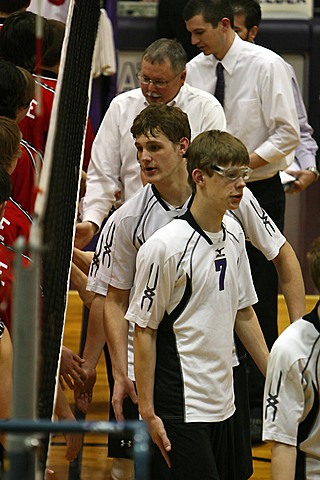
(193, 287)
(292, 394)
(114, 263)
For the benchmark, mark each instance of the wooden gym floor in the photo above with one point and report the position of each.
(95, 463)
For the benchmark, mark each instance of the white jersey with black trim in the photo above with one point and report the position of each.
(189, 286)
(258, 227)
(292, 394)
(114, 261)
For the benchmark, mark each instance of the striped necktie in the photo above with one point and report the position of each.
(219, 91)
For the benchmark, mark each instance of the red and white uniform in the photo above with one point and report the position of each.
(15, 223)
(24, 176)
(35, 125)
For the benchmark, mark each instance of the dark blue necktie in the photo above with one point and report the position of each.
(219, 91)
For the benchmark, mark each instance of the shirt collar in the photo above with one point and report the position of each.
(230, 59)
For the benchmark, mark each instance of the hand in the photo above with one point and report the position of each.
(159, 437)
(304, 179)
(70, 368)
(121, 391)
(83, 395)
(85, 232)
(74, 442)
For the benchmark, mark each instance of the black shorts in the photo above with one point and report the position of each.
(199, 451)
(241, 420)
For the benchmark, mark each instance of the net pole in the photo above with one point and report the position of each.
(25, 352)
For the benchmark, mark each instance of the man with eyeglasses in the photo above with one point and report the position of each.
(113, 168)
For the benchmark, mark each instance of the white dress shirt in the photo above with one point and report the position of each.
(113, 166)
(258, 102)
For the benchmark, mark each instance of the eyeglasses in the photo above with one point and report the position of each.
(157, 83)
(233, 173)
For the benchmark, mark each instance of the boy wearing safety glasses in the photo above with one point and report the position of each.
(162, 135)
(193, 288)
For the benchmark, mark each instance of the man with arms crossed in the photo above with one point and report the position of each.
(193, 288)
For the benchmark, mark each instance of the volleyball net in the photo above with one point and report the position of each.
(57, 200)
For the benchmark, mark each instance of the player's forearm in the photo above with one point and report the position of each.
(291, 280)
(145, 348)
(79, 281)
(248, 330)
(256, 161)
(283, 461)
(62, 407)
(82, 259)
(95, 339)
(116, 330)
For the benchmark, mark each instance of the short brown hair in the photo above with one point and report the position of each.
(30, 88)
(10, 137)
(156, 119)
(215, 147)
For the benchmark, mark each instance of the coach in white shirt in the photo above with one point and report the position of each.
(113, 167)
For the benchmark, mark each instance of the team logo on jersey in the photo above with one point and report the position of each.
(264, 218)
(272, 400)
(107, 246)
(149, 292)
(104, 243)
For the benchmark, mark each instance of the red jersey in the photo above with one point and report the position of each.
(35, 126)
(24, 176)
(15, 223)
(6, 259)
(7, 256)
